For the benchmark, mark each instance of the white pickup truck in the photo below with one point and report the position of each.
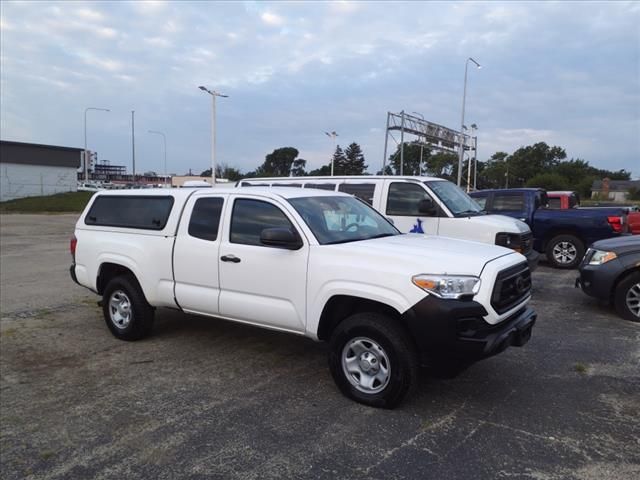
(310, 262)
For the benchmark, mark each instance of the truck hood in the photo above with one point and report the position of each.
(427, 254)
(498, 223)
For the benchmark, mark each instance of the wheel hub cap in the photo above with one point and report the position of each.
(632, 299)
(564, 252)
(120, 309)
(366, 365)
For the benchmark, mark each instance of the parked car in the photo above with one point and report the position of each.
(427, 205)
(610, 271)
(315, 263)
(562, 235)
(568, 199)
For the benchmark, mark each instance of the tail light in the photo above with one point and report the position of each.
(616, 223)
(73, 243)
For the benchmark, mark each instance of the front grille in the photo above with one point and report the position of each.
(512, 286)
(526, 242)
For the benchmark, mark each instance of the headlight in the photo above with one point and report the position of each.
(598, 257)
(510, 240)
(448, 286)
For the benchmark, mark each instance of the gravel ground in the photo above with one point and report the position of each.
(205, 398)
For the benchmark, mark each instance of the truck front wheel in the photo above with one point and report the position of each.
(126, 311)
(372, 360)
(565, 251)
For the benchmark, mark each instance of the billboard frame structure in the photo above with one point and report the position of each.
(437, 137)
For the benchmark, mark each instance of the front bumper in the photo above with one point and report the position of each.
(454, 331)
(598, 280)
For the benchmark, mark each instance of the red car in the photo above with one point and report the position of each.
(568, 199)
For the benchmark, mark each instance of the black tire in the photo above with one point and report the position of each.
(394, 348)
(136, 320)
(629, 285)
(569, 251)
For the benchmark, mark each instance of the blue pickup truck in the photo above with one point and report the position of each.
(562, 235)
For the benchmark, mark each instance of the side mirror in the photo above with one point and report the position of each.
(427, 207)
(280, 237)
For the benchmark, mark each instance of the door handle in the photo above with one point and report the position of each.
(230, 258)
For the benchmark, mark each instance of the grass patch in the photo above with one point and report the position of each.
(580, 368)
(58, 203)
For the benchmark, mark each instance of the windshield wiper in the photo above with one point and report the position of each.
(468, 212)
(381, 235)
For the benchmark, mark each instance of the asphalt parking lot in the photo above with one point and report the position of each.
(205, 398)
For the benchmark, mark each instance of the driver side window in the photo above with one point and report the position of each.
(250, 217)
(404, 198)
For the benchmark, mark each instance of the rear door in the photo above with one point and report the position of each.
(195, 258)
(261, 284)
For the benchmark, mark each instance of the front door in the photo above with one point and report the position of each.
(261, 284)
(401, 206)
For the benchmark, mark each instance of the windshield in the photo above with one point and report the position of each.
(459, 203)
(334, 219)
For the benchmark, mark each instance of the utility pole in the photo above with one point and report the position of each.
(462, 135)
(332, 136)
(402, 144)
(213, 94)
(133, 144)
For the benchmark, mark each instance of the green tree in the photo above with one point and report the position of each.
(323, 171)
(224, 171)
(297, 169)
(526, 162)
(280, 163)
(442, 165)
(548, 181)
(412, 164)
(353, 161)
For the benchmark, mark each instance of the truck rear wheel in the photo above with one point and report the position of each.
(565, 251)
(126, 311)
(372, 360)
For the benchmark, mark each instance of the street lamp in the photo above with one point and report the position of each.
(421, 144)
(462, 135)
(86, 160)
(164, 140)
(333, 136)
(474, 129)
(213, 94)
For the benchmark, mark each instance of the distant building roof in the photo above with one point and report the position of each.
(617, 185)
(37, 154)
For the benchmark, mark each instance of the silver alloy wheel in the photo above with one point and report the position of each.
(564, 252)
(120, 309)
(366, 365)
(632, 299)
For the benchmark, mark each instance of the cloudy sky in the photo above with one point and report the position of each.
(566, 73)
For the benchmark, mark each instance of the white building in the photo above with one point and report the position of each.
(32, 170)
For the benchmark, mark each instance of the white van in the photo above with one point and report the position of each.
(428, 205)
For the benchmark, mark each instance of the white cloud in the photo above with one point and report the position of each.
(89, 14)
(272, 19)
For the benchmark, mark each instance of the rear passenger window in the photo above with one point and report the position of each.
(555, 203)
(364, 191)
(404, 198)
(250, 217)
(205, 218)
(511, 202)
(143, 212)
(481, 201)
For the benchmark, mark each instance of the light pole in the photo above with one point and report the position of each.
(164, 141)
(333, 136)
(213, 94)
(462, 135)
(86, 160)
(421, 144)
(474, 127)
